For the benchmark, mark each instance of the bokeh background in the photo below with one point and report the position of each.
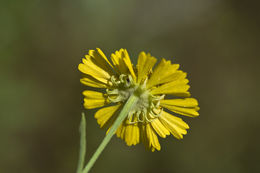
(43, 41)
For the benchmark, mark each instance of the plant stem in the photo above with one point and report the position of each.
(82, 151)
(132, 100)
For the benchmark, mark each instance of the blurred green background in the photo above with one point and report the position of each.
(43, 41)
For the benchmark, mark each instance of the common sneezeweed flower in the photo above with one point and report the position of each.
(149, 90)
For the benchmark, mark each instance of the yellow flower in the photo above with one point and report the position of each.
(121, 79)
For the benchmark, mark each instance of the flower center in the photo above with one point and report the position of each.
(148, 105)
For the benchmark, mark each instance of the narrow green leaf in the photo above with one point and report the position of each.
(82, 150)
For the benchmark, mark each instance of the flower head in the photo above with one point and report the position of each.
(165, 86)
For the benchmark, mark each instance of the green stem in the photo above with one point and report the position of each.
(124, 112)
(82, 151)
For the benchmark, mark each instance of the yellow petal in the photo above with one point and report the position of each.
(104, 114)
(128, 135)
(119, 130)
(129, 64)
(92, 82)
(96, 65)
(144, 65)
(101, 60)
(186, 102)
(120, 133)
(136, 134)
(162, 73)
(123, 63)
(94, 99)
(131, 134)
(190, 112)
(152, 138)
(187, 106)
(117, 59)
(143, 136)
(177, 88)
(175, 125)
(159, 128)
(95, 71)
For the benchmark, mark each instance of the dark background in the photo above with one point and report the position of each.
(43, 41)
